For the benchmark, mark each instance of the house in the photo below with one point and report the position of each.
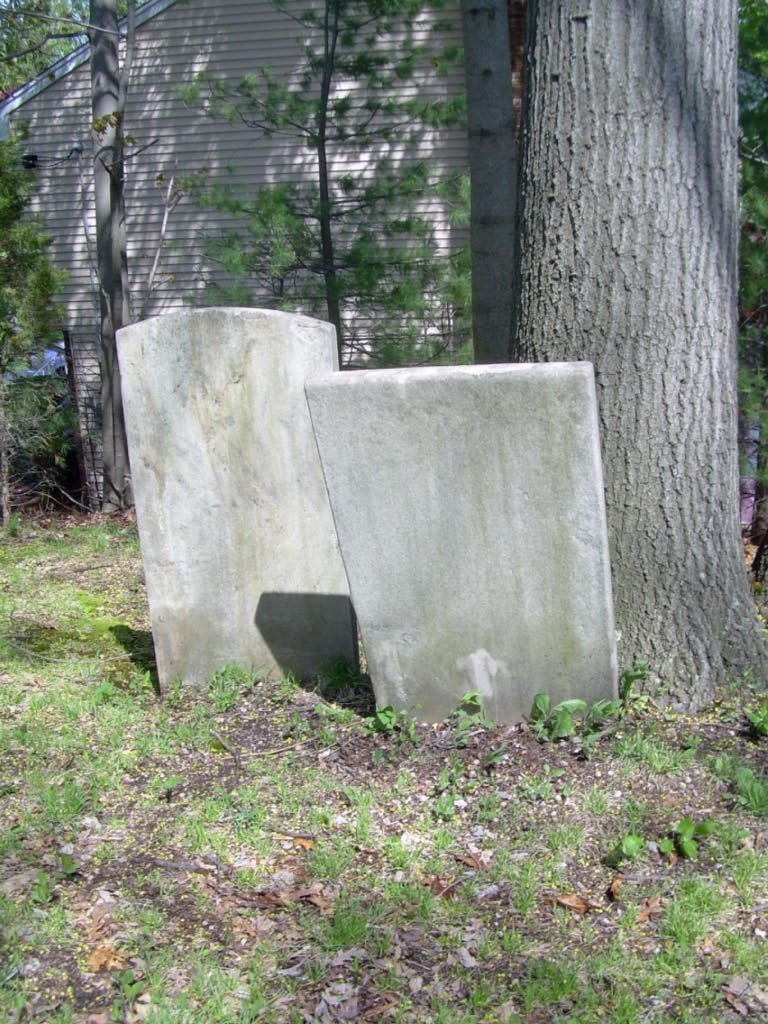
(175, 42)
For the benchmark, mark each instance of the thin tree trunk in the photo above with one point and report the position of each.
(331, 35)
(493, 173)
(5, 483)
(628, 259)
(83, 496)
(108, 105)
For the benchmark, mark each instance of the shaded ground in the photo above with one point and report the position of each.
(259, 852)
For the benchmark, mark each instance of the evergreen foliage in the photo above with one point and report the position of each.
(753, 376)
(28, 281)
(354, 247)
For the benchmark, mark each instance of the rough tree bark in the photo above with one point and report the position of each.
(628, 259)
(493, 165)
(108, 95)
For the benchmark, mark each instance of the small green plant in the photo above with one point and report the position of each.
(388, 722)
(42, 890)
(555, 723)
(562, 720)
(228, 683)
(636, 674)
(12, 525)
(384, 720)
(540, 787)
(630, 847)
(751, 791)
(567, 838)
(347, 927)
(444, 807)
(129, 989)
(746, 681)
(445, 790)
(166, 788)
(598, 715)
(468, 716)
(596, 801)
(746, 869)
(685, 837)
(495, 757)
(341, 683)
(758, 720)
(62, 804)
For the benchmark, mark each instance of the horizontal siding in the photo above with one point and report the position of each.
(227, 39)
(224, 40)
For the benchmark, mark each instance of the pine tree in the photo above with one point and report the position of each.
(354, 246)
(28, 282)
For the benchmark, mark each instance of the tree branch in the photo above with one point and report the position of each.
(84, 26)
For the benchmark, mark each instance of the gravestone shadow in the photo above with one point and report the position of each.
(296, 626)
(139, 645)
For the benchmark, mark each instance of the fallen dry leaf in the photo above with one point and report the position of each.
(466, 959)
(574, 902)
(474, 861)
(323, 905)
(254, 927)
(440, 887)
(141, 1009)
(735, 1003)
(300, 842)
(340, 1001)
(381, 1010)
(345, 955)
(745, 997)
(614, 889)
(99, 920)
(651, 909)
(106, 958)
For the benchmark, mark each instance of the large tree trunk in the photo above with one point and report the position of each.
(628, 259)
(493, 165)
(108, 103)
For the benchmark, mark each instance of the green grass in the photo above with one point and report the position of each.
(425, 876)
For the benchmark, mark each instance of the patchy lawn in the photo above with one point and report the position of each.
(266, 852)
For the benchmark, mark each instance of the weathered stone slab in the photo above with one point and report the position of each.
(470, 513)
(239, 549)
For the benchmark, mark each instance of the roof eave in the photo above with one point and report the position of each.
(66, 65)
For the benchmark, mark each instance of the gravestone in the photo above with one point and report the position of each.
(239, 549)
(469, 507)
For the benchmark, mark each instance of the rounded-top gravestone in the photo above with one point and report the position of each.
(238, 543)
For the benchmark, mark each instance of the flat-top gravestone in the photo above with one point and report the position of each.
(239, 549)
(470, 513)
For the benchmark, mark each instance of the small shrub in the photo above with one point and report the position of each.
(630, 847)
(468, 716)
(388, 722)
(636, 674)
(758, 720)
(685, 838)
(555, 723)
(752, 791)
